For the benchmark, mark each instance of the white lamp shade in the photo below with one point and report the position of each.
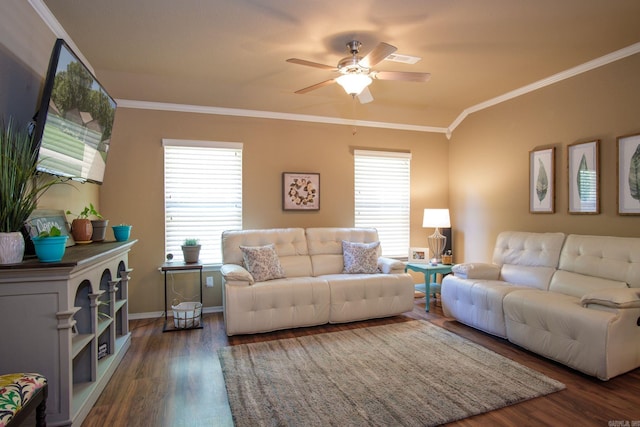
(353, 83)
(436, 218)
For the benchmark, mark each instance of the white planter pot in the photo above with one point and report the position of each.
(11, 248)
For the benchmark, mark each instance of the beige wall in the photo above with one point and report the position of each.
(133, 187)
(489, 158)
(71, 196)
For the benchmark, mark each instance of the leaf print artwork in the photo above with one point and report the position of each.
(634, 174)
(542, 183)
(583, 187)
(542, 180)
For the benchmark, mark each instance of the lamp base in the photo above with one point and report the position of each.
(436, 243)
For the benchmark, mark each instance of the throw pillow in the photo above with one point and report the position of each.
(360, 257)
(262, 262)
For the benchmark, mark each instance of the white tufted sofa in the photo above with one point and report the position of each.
(573, 300)
(314, 290)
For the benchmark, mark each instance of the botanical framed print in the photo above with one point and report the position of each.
(300, 191)
(584, 177)
(629, 175)
(542, 181)
(419, 255)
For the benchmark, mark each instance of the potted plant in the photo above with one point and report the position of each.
(99, 224)
(82, 226)
(191, 250)
(20, 189)
(50, 245)
(121, 232)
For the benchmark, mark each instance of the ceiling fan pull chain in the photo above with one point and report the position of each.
(354, 129)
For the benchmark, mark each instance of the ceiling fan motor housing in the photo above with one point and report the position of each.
(350, 65)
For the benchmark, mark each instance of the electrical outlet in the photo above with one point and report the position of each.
(209, 281)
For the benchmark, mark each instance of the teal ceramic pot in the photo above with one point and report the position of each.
(50, 249)
(121, 232)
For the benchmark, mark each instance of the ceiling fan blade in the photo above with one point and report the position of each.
(365, 96)
(315, 86)
(401, 75)
(376, 55)
(311, 64)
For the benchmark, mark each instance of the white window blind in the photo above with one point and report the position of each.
(203, 194)
(382, 197)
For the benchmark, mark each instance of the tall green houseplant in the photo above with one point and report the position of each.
(20, 188)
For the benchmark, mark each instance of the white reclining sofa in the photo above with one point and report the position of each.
(575, 300)
(293, 277)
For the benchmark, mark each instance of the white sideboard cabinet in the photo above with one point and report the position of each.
(68, 321)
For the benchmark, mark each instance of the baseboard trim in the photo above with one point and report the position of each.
(157, 314)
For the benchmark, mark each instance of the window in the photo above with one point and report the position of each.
(382, 197)
(203, 194)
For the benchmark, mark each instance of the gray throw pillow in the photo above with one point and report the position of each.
(262, 262)
(360, 257)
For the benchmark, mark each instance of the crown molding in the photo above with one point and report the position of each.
(201, 109)
(45, 14)
(58, 30)
(448, 131)
(563, 75)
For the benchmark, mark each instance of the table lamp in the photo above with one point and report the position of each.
(436, 218)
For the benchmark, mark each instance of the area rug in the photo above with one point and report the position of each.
(402, 374)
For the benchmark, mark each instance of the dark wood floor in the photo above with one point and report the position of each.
(174, 379)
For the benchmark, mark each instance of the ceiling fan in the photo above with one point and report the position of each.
(356, 73)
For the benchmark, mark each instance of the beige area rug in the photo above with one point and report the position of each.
(403, 374)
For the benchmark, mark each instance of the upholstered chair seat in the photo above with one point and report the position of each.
(20, 395)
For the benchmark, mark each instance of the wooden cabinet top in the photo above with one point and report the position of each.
(74, 256)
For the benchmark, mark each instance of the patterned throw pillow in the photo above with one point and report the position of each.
(262, 262)
(360, 257)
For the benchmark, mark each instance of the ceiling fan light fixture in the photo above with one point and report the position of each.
(357, 72)
(354, 83)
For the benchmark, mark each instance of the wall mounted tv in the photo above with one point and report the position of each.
(74, 122)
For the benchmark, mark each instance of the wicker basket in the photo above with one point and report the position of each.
(187, 315)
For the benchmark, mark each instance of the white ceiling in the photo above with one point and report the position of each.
(230, 54)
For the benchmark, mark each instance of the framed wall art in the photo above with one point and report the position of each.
(629, 175)
(300, 191)
(419, 255)
(583, 163)
(542, 181)
(44, 219)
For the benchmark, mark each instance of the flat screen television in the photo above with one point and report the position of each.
(74, 122)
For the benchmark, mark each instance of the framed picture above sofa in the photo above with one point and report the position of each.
(584, 177)
(629, 175)
(300, 191)
(542, 178)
